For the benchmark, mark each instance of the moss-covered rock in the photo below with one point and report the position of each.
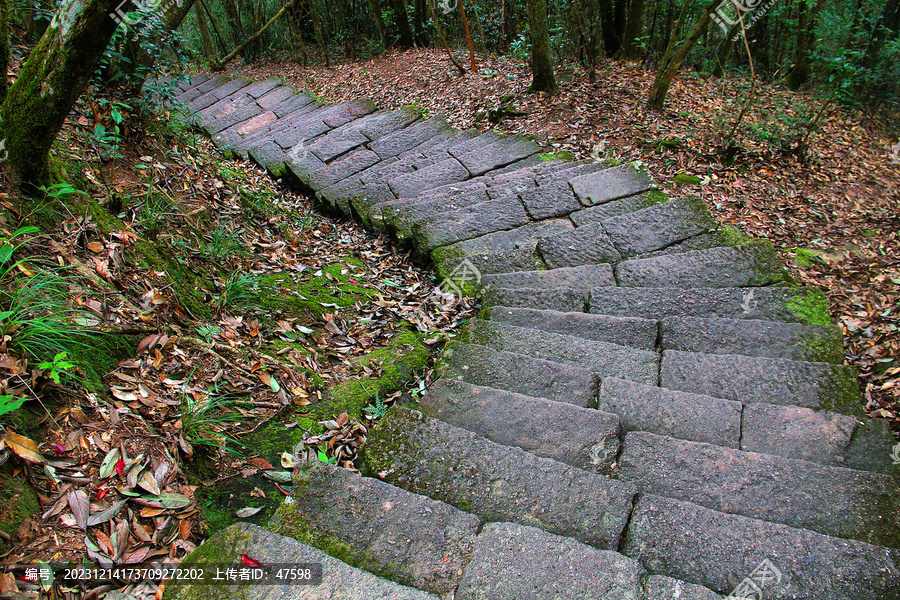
(810, 308)
(18, 502)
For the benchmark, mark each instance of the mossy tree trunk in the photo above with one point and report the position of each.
(4, 45)
(51, 80)
(543, 79)
(142, 52)
(634, 25)
(675, 55)
(401, 17)
(375, 11)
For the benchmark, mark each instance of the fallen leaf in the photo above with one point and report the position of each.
(80, 506)
(248, 512)
(24, 447)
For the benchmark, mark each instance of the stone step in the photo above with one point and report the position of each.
(481, 365)
(402, 215)
(668, 412)
(624, 331)
(414, 136)
(659, 225)
(721, 551)
(836, 501)
(501, 153)
(752, 337)
(473, 221)
(239, 139)
(617, 208)
(228, 88)
(818, 436)
(227, 547)
(524, 259)
(435, 175)
(588, 244)
(772, 380)
(602, 358)
(610, 184)
(552, 195)
(516, 562)
(383, 529)
(526, 236)
(556, 299)
(791, 304)
(580, 437)
(583, 278)
(753, 264)
(497, 483)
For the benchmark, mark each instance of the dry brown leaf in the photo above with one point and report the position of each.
(24, 447)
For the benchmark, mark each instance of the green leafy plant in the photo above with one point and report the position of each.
(239, 290)
(222, 242)
(9, 403)
(58, 367)
(207, 332)
(325, 458)
(377, 411)
(203, 418)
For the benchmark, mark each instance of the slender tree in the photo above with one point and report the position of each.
(401, 16)
(634, 25)
(676, 53)
(141, 53)
(51, 80)
(542, 79)
(4, 46)
(806, 24)
(375, 11)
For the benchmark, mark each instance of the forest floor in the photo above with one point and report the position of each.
(827, 195)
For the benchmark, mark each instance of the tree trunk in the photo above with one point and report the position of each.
(375, 11)
(799, 73)
(725, 48)
(208, 49)
(465, 22)
(886, 27)
(543, 79)
(419, 19)
(401, 16)
(51, 80)
(142, 57)
(634, 26)
(675, 55)
(589, 20)
(4, 46)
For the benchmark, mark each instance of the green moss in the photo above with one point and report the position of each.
(732, 236)
(18, 502)
(305, 293)
(685, 179)
(547, 156)
(653, 197)
(613, 162)
(822, 347)
(186, 285)
(810, 308)
(840, 392)
(218, 503)
(100, 354)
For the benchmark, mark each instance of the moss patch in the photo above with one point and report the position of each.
(218, 504)
(306, 293)
(732, 236)
(18, 502)
(810, 308)
(653, 197)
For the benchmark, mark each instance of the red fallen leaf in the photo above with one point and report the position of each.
(120, 466)
(58, 447)
(101, 493)
(262, 464)
(249, 561)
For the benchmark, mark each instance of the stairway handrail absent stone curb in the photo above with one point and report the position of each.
(646, 409)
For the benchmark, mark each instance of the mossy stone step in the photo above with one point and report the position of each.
(414, 136)
(501, 153)
(440, 173)
(752, 337)
(339, 580)
(583, 278)
(481, 365)
(588, 244)
(378, 527)
(556, 299)
(553, 196)
(754, 264)
(516, 562)
(795, 305)
(668, 412)
(497, 483)
(580, 437)
(617, 208)
(601, 358)
(611, 184)
(718, 550)
(772, 380)
(819, 436)
(836, 501)
(465, 223)
(624, 331)
(660, 225)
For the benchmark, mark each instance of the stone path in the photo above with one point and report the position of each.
(646, 410)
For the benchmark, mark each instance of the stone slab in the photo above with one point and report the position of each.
(343, 167)
(772, 380)
(839, 502)
(566, 300)
(589, 244)
(408, 138)
(817, 436)
(719, 551)
(616, 208)
(518, 373)
(435, 175)
(659, 225)
(752, 337)
(366, 517)
(624, 331)
(796, 305)
(602, 358)
(610, 184)
(659, 587)
(748, 265)
(513, 562)
(274, 97)
(668, 412)
(499, 154)
(580, 437)
(526, 236)
(497, 483)
(339, 580)
(466, 223)
(553, 196)
(584, 278)
(488, 264)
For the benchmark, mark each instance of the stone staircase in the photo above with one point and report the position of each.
(646, 409)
